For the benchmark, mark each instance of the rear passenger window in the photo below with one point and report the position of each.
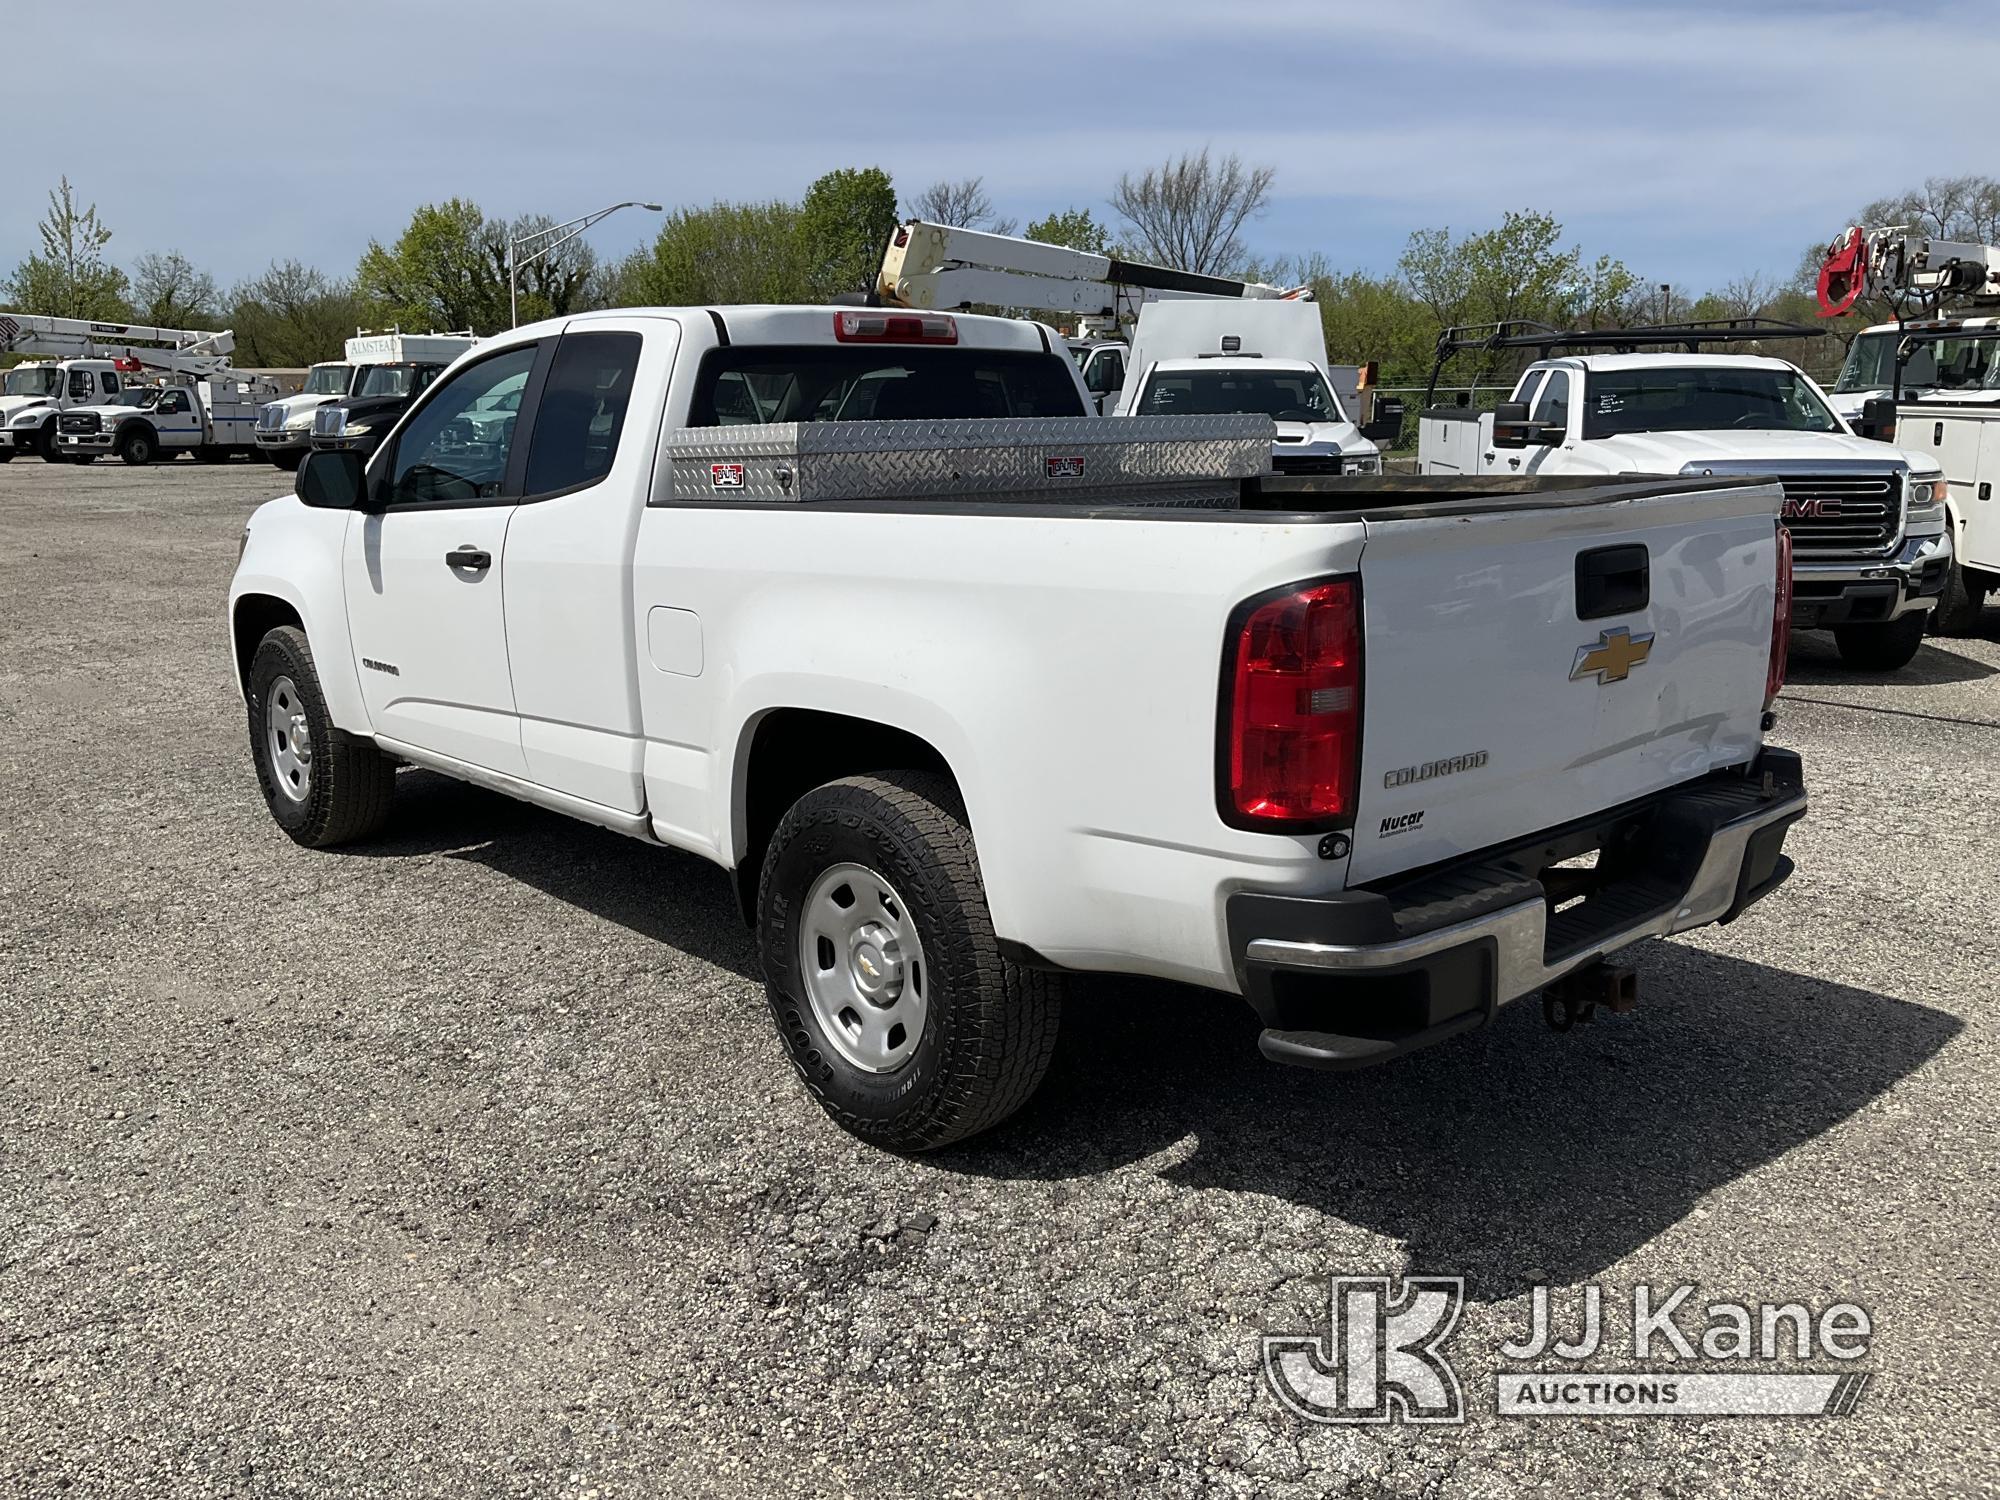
(582, 412)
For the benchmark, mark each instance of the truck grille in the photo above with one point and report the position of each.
(329, 421)
(271, 418)
(1843, 512)
(81, 421)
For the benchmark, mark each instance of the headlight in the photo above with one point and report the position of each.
(1927, 494)
(355, 429)
(28, 419)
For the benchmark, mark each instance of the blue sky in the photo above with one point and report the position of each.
(1695, 140)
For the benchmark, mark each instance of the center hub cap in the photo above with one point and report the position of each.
(878, 965)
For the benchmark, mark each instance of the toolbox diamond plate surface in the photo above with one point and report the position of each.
(1034, 460)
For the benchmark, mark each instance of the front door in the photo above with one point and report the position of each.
(423, 573)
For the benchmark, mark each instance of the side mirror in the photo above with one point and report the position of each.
(1877, 420)
(1510, 425)
(331, 481)
(1385, 425)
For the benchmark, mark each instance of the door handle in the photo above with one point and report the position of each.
(471, 559)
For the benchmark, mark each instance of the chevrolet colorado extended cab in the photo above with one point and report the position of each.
(978, 690)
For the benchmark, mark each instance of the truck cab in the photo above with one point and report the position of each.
(36, 393)
(284, 426)
(391, 370)
(1102, 366)
(1866, 521)
(1936, 362)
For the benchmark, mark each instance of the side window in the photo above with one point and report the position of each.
(1553, 404)
(1105, 374)
(110, 384)
(171, 404)
(1525, 392)
(79, 385)
(582, 411)
(455, 448)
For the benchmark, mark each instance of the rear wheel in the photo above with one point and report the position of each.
(1962, 604)
(885, 979)
(1880, 648)
(323, 787)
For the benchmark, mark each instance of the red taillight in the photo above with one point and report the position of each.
(1781, 620)
(1293, 716)
(894, 328)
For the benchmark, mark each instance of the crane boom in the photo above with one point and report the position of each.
(180, 350)
(1897, 264)
(941, 266)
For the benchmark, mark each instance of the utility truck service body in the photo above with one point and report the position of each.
(968, 698)
(1866, 521)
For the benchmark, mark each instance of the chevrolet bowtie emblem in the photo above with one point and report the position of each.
(1613, 657)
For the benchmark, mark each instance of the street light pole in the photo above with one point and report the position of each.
(575, 227)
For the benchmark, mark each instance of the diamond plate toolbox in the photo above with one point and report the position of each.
(1034, 460)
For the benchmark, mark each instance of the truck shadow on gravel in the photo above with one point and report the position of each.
(1511, 1149)
(1815, 663)
(662, 894)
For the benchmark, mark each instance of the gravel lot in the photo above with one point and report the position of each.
(466, 1163)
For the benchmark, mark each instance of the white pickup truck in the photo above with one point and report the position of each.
(1867, 521)
(987, 689)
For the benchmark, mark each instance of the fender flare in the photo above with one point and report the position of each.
(133, 424)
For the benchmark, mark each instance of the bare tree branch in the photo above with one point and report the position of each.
(1189, 212)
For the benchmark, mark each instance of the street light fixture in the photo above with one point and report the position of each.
(575, 227)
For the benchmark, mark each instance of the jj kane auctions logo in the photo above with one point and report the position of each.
(1384, 1356)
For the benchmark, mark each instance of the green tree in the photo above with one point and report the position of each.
(1519, 270)
(439, 274)
(70, 278)
(1075, 228)
(725, 253)
(291, 316)
(846, 220)
(169, 291)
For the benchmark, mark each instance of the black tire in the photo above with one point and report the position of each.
(990, 1025)
(350, 782)
(45, 443)
(288, 459)
(138, 446)
(1880, 648)
(208, 453)
(6, 455)
(1962, 605)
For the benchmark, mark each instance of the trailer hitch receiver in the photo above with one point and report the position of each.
(1575, 997)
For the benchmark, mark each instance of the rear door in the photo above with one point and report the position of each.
(1526, 668)
(423, 576)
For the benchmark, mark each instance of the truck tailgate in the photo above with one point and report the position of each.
(1494, 708)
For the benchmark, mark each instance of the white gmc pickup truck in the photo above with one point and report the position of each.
(980, 690)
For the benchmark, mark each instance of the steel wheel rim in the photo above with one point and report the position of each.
(288, 739)
(863, 967)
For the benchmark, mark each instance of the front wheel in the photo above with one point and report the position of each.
(1880, 648)
(323, 787)
(288, 459)
(885, 979)
(138, 448)
(45, 444)
(1962, 604)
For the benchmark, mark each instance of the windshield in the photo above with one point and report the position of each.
(387, 380)
(135, 396)
(1949, 364)
(819, 383)
(1283, 395)
(32, 380)
(327, 380)
(1701, 398)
